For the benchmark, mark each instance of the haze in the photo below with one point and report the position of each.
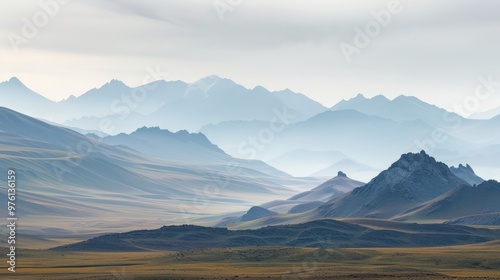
(427, 50)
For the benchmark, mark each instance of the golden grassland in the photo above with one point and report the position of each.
(480, 261)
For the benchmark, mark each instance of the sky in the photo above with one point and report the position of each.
(439, 51)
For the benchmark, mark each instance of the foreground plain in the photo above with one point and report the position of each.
(478, 261)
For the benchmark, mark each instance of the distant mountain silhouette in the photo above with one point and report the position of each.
(69, 176)
(367, 131)
(486, 115)
(257, 212)
(467, 173)
(326, 191)
(185, 147)
(490, 219)
(178, 105)
(298, 203)
(16, 96)
(401, 108)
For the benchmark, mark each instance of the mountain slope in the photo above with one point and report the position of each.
(486, 115)
(76, 180)
(465, 201)
(330, 189)
(299, 203)
(303, 162)
(299, 102)
(324, 192)
(409, 182)
(489, 219)
(116, 99)
(351, 166)
(321, 233)
(177, 105)
(162, 143)
(224, 100)
(15, 95)
(255, 213)
(370, 140)
(191, 148)
(401, 108)
(467, 173)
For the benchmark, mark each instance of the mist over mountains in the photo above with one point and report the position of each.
(284, 129)
(216, 153)
(415, 188)
(73, 178)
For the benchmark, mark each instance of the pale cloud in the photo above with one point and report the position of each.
(434, 50)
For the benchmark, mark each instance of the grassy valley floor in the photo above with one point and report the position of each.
(479, 261)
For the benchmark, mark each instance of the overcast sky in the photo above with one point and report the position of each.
(435, 50)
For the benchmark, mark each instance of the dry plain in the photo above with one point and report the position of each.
(479, 261)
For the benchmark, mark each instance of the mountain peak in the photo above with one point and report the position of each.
(360, 96)
(257, 212)
(467, 173)
(152, 129)
(260, 89)
(15, 80)
(212, 79)
(115, 82)
(419, 171)
(380, 97)
(413, 179)
(407, 98)
(341, 174)
(411, 159)
(113, 85)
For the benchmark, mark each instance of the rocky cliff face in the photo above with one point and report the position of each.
(413, 179)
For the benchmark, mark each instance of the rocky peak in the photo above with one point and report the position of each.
(419, 175)
(467, 173)
(257, 212)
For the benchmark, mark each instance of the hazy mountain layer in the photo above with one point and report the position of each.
(80, 184)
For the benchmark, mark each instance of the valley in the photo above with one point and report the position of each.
(478, 261)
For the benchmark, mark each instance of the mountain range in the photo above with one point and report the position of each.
(364, 135)
(407, 183)
(415, 188)
(87, 183)
(315, 234)
(299, 203)
(82, 184)
(173, 105)
(285, 129)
